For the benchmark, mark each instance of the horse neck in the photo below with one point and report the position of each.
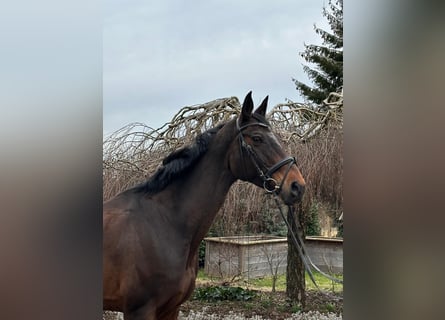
(202, 191)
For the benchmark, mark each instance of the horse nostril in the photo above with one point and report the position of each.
(297, 189)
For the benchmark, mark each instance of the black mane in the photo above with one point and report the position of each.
(178, 162)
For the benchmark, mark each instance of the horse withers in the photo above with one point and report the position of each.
(151, 232)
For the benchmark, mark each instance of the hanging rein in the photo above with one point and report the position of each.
(271, 186)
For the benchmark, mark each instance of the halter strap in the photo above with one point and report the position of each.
(279, 165)
(270, 185)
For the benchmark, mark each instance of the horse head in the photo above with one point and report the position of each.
(258, 156)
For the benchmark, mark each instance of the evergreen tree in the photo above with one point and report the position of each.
(327, 76)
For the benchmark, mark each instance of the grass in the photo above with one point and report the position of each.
(254, 298)
(266, 282)
(202, 275)
(324, 283)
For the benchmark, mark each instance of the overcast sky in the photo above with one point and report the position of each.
(162, 55)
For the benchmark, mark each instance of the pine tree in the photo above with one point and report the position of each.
(327, 76)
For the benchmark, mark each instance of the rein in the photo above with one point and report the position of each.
(299, 243)
(271, 186)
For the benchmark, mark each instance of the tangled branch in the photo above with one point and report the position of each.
(133, 152)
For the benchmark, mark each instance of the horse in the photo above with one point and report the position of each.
(152, 231)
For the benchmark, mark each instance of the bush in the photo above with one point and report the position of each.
(223, 293)
(202, 254)
(313, 221)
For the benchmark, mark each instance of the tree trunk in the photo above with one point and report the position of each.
(295, 273)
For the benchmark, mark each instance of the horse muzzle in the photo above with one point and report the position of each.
(296, 191)
(293, 193)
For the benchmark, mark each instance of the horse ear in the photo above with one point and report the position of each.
(247, 108)
(261, 110)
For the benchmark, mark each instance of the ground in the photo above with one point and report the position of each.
(269, 305)
(265, 304)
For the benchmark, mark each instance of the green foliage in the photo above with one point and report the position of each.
(266, 282)
(323, 282)
(295, 308)
(201, 254)
(326, 61)
(273, 223)
(313, 222)
(223, 293)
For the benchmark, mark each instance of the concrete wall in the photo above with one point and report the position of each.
(254, 256)
(326, 253)
(245, 256)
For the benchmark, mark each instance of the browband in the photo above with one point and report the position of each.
(240, 128)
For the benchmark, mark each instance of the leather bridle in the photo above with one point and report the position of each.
(270, 185)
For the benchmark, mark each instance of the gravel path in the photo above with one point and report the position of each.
(202, 315)
(311, 315)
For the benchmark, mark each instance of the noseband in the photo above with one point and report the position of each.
(270, 185)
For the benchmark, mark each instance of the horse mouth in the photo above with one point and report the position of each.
(294, 195)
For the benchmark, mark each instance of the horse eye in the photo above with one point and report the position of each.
(257, 139)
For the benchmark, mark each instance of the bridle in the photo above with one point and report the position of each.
(270, 185)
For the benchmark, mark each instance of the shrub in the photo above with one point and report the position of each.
(223, 293)
(313, 221)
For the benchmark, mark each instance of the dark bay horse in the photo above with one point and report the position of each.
(151, 232)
